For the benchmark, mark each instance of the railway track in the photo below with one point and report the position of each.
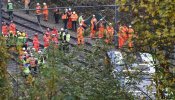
(33, 27)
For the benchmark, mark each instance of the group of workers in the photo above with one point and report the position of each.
(33, 58)
(125, 36)
(97, 28)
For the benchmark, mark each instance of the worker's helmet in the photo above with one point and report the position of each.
(110, 23)
(80, 24)
(44, 3)
(9, 1)
(37, 4)
(48, 29)
(70, 9)
(62, 29)
(11, 21)
(36, 34)
(74, 12)
(101, 19)
(93, 15)
(23, 49)
(66, 10)
(130, 26)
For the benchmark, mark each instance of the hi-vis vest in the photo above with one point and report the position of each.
(10, 6)
(26, 70)
(67, 37)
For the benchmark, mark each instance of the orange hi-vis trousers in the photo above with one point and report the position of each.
(80, 40)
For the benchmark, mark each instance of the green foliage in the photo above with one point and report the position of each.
(77, 75)
(153, 21)
(4, 84)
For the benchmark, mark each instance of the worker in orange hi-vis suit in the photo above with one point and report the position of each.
(69, 24)
(109, 33)
(80, 37)
(36, 42)
(120, 37)
(93, 26)
(101, 29)
(74, 18)
(124, 33)
(46, 39)
(4, 29)
(45, 12)
(54, 31)
(130, 35)
(12, 28)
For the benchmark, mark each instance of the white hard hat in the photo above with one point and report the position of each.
(37, 4)
(80, 24)
(110, 23)
(44, 3)
(93, 15)
(62, 29)
(70, 9)
(39, 51)
(101, 19)
(130, 26)
(74, 12)
(23, 48)
(66, 10)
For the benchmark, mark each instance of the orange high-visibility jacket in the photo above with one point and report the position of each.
(38, 9)
(74, 17)
(46, 40)
(36, 43)
(5, 29)
(45, 10)
(110, 31)
(64, 16)
(12, 27)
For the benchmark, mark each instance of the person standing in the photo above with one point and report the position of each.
(74, 18)
(26, 5)
(10, 9)
(4, 29)
(130, 36)
(101, 29)
(36, 42)
(65, 19)
(69, 24)
(45, 12)
(46, 39)
(38, 12)
(109, 33)
(12, 28)
(56, 15)
(80, 37)
(93, 26)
